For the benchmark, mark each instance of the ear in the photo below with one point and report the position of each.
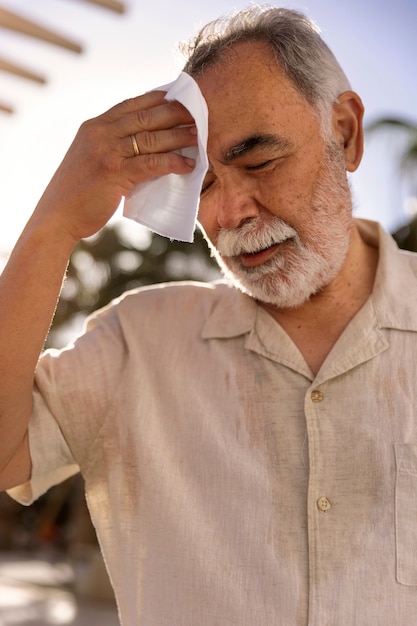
(348, 128)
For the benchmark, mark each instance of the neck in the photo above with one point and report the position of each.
(316, 325)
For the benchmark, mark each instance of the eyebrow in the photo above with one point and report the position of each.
(253, 142)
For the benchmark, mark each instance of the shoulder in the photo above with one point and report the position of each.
(174, 301)
(174, 294)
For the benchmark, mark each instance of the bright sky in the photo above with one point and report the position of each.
(125, 55)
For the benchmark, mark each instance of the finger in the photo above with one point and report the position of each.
(163, 116)
(148, 142)
(148, 112)
(156, 164)
(130, 105)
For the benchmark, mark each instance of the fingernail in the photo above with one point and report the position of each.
(190, 162)
(193, 130)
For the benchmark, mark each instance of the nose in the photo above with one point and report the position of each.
(235, 206)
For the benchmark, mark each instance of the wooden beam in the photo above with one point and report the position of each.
(20, 24)
(113, 5)
(22, 72)
(4, 108)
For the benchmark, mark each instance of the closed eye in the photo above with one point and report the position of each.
(259, 166)
(205, 187)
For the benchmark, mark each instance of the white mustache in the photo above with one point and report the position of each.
(253, 237)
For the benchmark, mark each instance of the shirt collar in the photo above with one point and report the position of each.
(394, 296)
(234, 314)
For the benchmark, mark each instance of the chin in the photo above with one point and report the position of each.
(284, 287)
(275, 295)
(269, 288)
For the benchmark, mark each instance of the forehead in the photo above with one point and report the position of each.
(247, 93)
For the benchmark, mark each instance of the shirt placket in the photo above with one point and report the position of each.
(325, 442)
(319, 502)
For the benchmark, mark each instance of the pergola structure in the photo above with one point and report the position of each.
(18, 23)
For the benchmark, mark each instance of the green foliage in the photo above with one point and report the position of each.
(408, 160)
(120, 257)
(405, 236)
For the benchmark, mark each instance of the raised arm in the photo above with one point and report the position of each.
(98, 170)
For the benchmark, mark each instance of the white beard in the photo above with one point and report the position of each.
(299, 269)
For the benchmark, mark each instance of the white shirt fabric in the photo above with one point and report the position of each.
(228, 485)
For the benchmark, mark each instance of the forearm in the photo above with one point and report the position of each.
(29, 288)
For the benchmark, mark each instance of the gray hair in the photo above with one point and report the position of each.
(295, 42)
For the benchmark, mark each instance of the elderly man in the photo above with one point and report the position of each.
(249, 447)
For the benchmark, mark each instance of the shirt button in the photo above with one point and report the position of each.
(317, 395)
(323, 504)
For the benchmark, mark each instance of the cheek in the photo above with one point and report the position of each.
(287, 198)
(291, 188)
(210, 212)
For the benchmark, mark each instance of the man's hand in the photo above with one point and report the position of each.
(101, 166)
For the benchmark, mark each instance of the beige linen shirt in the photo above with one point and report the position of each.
(228, 485)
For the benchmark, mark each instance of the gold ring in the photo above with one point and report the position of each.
(135, 145)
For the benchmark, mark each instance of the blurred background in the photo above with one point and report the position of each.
(63, 61)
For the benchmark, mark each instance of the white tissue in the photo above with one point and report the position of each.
(168, 205)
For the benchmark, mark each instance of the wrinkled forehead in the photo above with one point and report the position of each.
(238, 57)
(247, 72)
(247, 94)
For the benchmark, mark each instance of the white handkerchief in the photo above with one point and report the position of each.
(168, 205)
